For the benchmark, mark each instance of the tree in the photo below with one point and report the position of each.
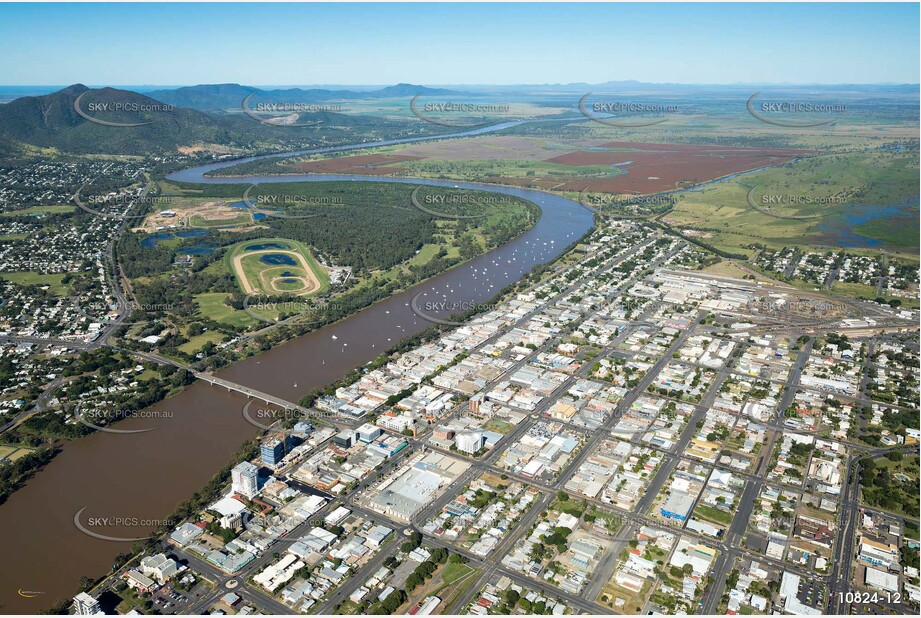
(413, 581)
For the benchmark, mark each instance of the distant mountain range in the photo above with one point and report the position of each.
(80, 120)
(230, 96)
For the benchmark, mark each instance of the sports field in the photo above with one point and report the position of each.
(276, 266)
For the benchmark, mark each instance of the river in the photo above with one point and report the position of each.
(141, 477)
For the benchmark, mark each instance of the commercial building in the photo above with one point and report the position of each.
(140, 582)
(878, 554)
(368, 432)
(159, 567)
(388, 447)
(185, 534)
(677, 506)
(346, 438)
(789, 589)
(880, 580)
(245, 479)
(273, 451)
(398, 423)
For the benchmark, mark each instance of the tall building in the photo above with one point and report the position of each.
(244, 479)
(85, 605)
(273, 451)
(470, 442)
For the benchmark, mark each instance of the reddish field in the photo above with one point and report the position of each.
(662, 167)
(636, 167)
(375, 165)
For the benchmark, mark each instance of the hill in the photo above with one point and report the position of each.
(81, 120)
(67, 120)
(230, 96)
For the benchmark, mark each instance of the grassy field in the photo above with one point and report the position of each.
(197, 221)
(53, 281)
(712, 514)
(455, 580)
(194, 344)
(474, 170)
(211, 305)
(845, 182)
(39, 210)
(498, 425)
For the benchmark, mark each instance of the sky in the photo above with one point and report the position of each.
(433, 44)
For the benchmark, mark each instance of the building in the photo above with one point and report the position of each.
(398, 423)
(677, 505)
(387, 447)
(445, 433)
(244, 479)
(345, 439)
(881, 580)
(159, 567)
(85, 605)
(789, 589)
(336, 517)
(377, 535)
(878, 554)
(273, 451)
(368, 432)
(140, 582)
(425, 606)
(470, 442)
(185, 534)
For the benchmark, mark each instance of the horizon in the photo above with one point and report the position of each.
(454, 84)
(10, 92)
